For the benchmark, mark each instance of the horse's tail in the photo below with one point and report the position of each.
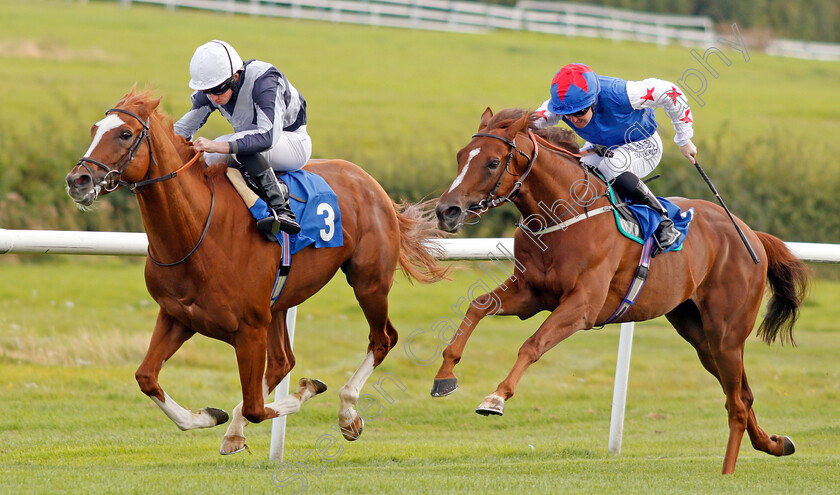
(418, 256)
(788, 279)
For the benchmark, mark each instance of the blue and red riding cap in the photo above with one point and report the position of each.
(573, 89)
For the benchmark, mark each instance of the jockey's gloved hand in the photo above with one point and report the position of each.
(689, 151)
(601, 150)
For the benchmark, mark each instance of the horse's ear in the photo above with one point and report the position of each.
(485, 119)
(519, 125)
(153, 104)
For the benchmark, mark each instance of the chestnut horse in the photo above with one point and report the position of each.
(710, 290)
(211, 271)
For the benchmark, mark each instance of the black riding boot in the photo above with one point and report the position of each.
(275, 193)
(637, 192)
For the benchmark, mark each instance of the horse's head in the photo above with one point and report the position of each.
(120, 150)
(490, 169)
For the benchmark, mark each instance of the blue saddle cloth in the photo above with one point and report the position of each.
(649, 221)
(315, 206)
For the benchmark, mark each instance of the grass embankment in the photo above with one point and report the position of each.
(401, 103)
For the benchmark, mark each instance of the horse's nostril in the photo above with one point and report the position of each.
(452, 212)
(81, 180)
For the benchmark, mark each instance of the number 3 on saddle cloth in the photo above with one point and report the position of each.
(315, 206)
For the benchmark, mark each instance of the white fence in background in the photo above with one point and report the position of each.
(569, 19)
(804, 49)
(136, 244)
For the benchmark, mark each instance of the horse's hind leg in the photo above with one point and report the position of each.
(371, 284)
(687, 321)
(167, 338)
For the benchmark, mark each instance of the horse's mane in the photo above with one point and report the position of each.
(561, 137)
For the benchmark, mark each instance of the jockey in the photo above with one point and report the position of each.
(616, 118)
(268, 116)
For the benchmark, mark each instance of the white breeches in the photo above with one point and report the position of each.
(291, 151)
(639, 157)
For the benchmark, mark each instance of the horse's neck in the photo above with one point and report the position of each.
(557, 189)
(176, 208)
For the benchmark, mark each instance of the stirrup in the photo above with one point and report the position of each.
(278, 221)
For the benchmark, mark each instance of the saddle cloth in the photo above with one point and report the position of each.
(643, 221)
(313, 202)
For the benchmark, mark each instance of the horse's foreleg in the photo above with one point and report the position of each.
(167, 338)
(567, 319)
(509, 298)
(280, 361)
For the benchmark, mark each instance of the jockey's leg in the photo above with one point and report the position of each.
(631, 187)
(275, 192)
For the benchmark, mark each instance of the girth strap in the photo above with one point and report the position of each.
(636, 286)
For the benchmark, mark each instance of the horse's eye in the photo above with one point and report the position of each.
(494, 164)
(126, 134)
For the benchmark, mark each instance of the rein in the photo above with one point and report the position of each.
(113, 177)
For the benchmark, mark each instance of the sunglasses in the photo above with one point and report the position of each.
(579, 113)
(220, 89)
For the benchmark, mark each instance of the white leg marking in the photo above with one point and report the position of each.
(349, 393)
(460, 177)
(237, 423)
(184, 419)
(111, 121)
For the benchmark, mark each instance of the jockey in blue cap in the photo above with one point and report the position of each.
(268, 116)
(616, 118)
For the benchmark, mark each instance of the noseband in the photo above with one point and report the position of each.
(491, 201)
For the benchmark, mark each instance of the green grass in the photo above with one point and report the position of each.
(74, 420)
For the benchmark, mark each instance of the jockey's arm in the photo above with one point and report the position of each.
(653, 93)
(269, 111)
(192, 121)
(548, 119)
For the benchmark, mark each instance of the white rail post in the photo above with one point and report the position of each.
(278, 424)
(622, 371)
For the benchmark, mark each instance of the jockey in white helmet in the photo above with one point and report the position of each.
(616, 118)
(268, 116)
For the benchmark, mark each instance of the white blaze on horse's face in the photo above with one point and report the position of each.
(110, 122)
(460, 177)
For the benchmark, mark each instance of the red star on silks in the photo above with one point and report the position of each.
(648, 96)
(673, 94)
(687, 119)
(573, 75)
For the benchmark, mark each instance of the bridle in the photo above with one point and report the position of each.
(113, 177)
(113, 174)
(492, 201)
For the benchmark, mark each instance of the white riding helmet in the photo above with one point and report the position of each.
(212, 64)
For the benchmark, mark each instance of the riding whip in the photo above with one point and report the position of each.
(720, 200)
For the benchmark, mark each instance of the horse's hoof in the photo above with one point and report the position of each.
(789, 447)
(357, 427)
(219, 415)
(489, 411)
(493, 405)
(232, 445)
(320, 387)
(444, 386)
(316, 385)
